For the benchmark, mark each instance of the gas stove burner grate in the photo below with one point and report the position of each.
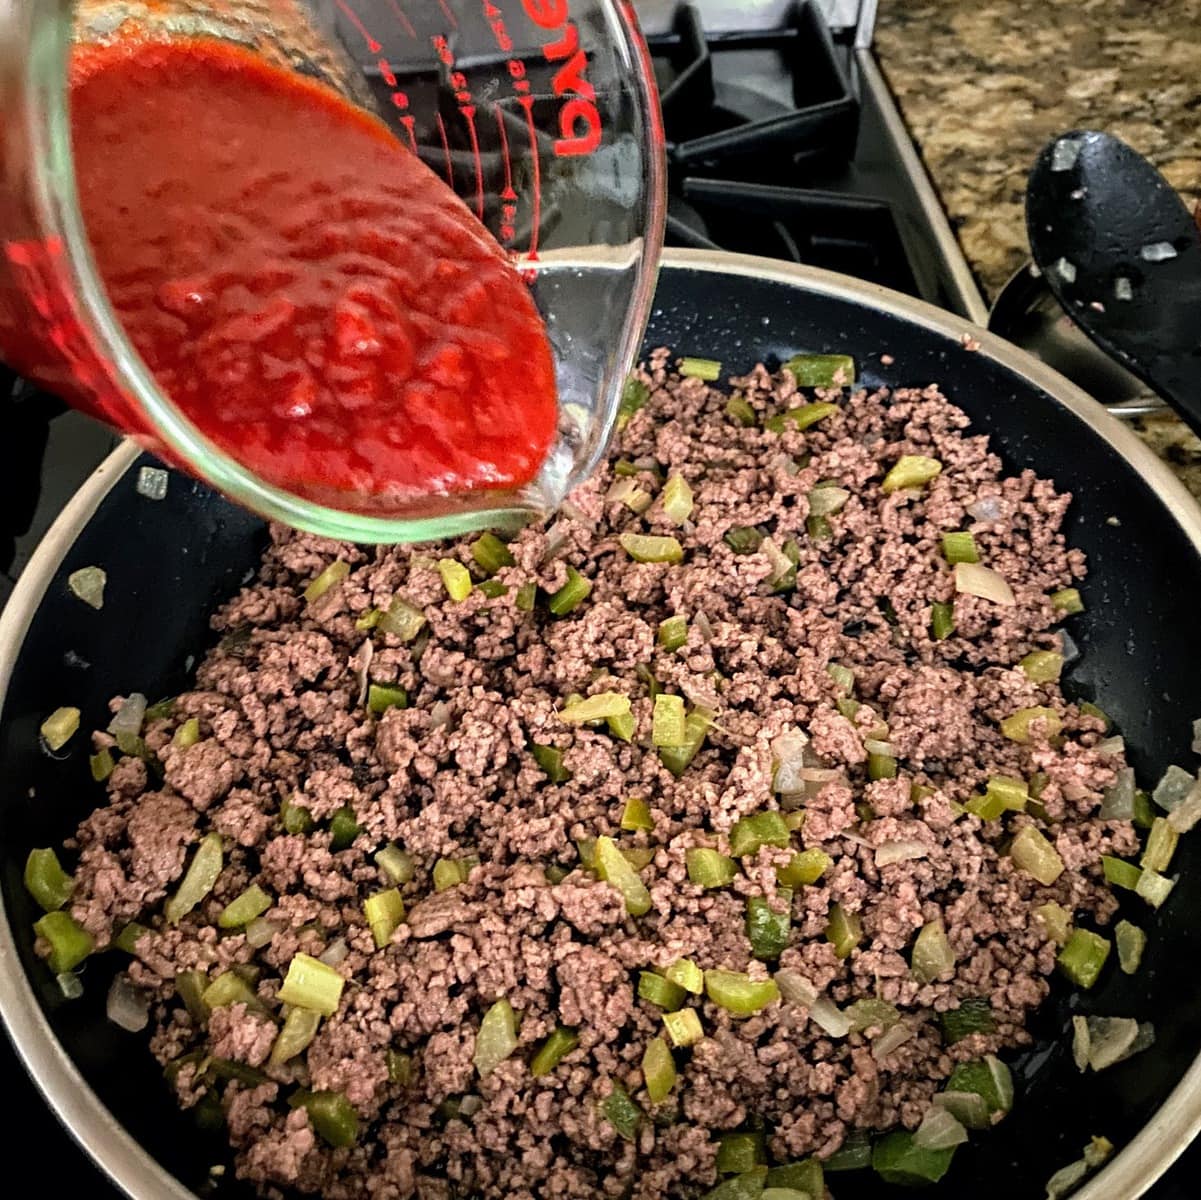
(857, 235)
(778, 92)
(763, 128)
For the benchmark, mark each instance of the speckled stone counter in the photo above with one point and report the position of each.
(984, 84)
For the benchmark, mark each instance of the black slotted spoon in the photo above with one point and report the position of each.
(1122, 254)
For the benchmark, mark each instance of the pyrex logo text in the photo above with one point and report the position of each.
(579, 118)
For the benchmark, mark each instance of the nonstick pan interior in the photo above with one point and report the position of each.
(170, 562)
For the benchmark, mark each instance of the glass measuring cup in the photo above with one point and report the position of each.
(541, 114)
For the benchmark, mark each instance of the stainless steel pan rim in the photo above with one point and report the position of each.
(1131, 1172)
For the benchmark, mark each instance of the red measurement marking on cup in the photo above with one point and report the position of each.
(448, 14)
(527, 102)
(450, 170)
(400, 100)
(508, 207)
(468, 111)
(460, 86)
(405, 23)
(409, 123)
(496, 22)
(521, 88)
(355, 20)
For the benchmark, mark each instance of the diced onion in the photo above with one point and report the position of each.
(69, 984)
(88, 584)
(825, 501)
(1172, 788)
(811, 781)
(260, 931)
(1112, 746)
(824, 1013)
(335, 953)
(781, 564)
(1196, 746)
(1118, 801)
(890, 1040)
(875, 746)
(986, 508)
(796, 989)
(1108, 1040)
(701, 624)
(129, 717)
(1081, 1042)
(362, 664)
(1188, 812)
(1066, 1179)
(821, 775)
(899, 851)
(152, 483)
(625, 491)
(126, 1007)
(1155, 252)
(788, 754)
(1068, 648)
(974, 579)
(556, 538)
(939, 1130)
(440, 715)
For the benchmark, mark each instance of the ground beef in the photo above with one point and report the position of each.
(284, 733)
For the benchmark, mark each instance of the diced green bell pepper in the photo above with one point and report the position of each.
(1083, 956)
(658, 1070)
(497, 1038)
(804, 868)
(737, 993)
(239, 912)
(767, 929)
(69, 942)
(622, 1112)
(897, 1159)
(612, 867)
(709, 868)
(659, 990)
(552, 1052)
(740, 1152)
(759, 829)
(46, 881)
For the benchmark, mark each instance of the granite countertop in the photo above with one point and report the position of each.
(984, 84)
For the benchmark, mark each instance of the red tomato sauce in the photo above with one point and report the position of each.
(310, 294)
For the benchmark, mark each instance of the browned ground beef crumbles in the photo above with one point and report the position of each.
(282, 720)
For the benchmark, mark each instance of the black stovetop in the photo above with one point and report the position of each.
(776, 146)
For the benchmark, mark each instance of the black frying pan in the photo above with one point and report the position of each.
(170, 563)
